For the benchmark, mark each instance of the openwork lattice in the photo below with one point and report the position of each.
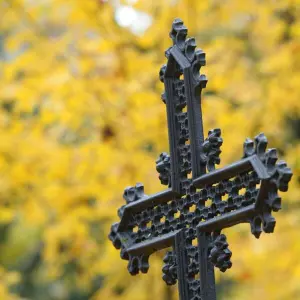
(200, 200)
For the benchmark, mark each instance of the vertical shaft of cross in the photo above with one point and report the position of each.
(207, 276)
(194, 110)
(184, 60)
(194, 83)
(182, 265)
(173, 142)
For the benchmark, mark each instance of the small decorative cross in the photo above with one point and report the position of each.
(200, 201)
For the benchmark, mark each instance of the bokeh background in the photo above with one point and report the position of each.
(81, 118)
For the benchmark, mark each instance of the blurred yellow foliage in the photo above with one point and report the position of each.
(81, 118)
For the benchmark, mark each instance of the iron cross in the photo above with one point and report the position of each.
(200, 200)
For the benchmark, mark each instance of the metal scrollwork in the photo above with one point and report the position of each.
(220, 254)
(211, 149)
(170, 268)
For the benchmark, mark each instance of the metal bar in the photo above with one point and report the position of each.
(150, 201)
(224, 173)
(171, 115)
(262, 194)
(182, 265)
(180, 58)
(259, 168)
(140, 205)
(195, 126)
(152, 245)
(207, 276)
(196, 136)
(230, 219)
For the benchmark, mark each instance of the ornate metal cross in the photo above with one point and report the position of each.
(200, 201)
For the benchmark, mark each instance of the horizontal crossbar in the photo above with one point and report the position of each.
(150, 246)
(231, 170)
(244, 165)
(230, 219)
(217, 223)
(142, 204)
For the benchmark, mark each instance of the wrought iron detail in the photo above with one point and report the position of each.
(134, 193)
(220, 254)
(200, 200)
(138, 263)
(170, 268)
(211, 149)
(163, 167)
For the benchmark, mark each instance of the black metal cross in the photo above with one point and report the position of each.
(200, 201)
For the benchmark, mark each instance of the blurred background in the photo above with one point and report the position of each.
(81, 118)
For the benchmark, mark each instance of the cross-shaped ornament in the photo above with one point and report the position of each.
(200, 201)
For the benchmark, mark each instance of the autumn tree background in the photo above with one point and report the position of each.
(81, 118)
